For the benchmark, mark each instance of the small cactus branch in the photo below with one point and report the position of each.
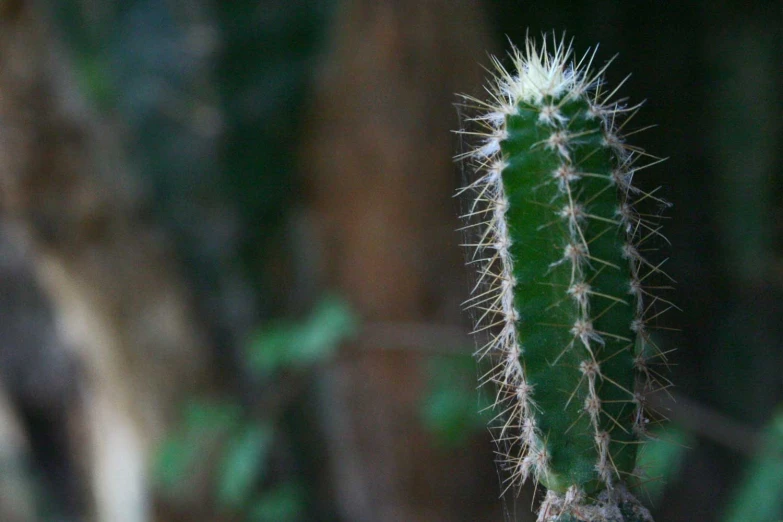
(562, 291)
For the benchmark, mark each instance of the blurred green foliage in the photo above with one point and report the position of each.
(282, 503)
(451, 409)
(286, 343)
(237, 441)
(205, 423)
(759, 497)
(209, 98)
(244, 464)
(660, 459)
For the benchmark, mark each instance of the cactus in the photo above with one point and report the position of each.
(563, 291)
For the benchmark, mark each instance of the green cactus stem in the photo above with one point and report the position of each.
(562, 290)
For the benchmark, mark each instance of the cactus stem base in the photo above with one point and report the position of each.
(615, 505)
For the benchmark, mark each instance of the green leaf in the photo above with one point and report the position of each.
(450, 409)
(244, 465)
(285, 344)
(203, 424)
(330, 323)
(661, 457)
(271, 349)
(202, 416)
(173, 461)
(285, 503)
(760, 496)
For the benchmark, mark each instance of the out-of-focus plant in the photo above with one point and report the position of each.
(449, 409)
(760, 494)
(289, 344)
(660, 459)
(208, 96)
(237, 440)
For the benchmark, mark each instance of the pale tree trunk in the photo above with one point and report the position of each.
(118, 298)
(381, 182)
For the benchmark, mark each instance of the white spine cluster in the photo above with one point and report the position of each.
(539, 75)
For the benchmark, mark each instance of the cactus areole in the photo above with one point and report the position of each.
(562, 291)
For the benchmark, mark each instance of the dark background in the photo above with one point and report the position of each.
(231, 281)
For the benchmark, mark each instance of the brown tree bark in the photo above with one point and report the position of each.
(118, 297)
(381, 182)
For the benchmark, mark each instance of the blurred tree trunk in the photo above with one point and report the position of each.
(17, 503)
(118, 298)
(39, 382)
(381, 181)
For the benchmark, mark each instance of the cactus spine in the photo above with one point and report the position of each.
(563, 290)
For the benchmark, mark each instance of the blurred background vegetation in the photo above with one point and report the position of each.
(231, 283)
